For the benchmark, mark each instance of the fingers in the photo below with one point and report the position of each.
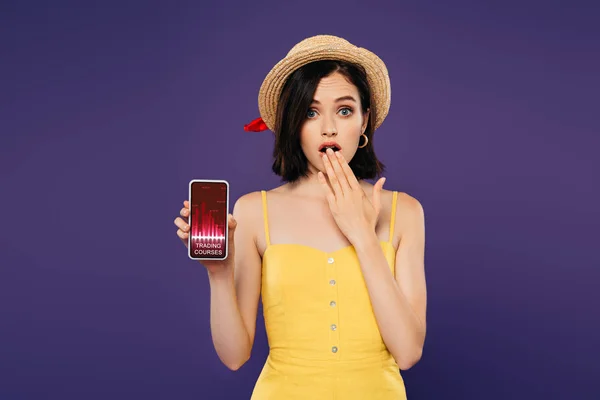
(182, 235)
(184, 228)
(328, 192)
(334, 179)
(352, 181)
(339, 172)
(181, 224)
(184, 212)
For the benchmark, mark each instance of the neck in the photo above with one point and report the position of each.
(311, 187)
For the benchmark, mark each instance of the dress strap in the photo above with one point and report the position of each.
(265, 217)
(393, 219)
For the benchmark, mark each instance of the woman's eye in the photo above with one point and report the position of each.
(346, 111)
(349, 111)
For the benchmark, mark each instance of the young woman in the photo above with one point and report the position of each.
(339, 262)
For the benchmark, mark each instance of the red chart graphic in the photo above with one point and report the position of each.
(204, 226)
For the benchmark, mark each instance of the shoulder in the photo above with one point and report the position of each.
(249, 198)
(248, 206)
(408, 204)
(247, 212)
(251, 203)
(404, 201)
(410, 215)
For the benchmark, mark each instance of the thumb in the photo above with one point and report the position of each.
(377, 194)
(231, 222)
(231, 225)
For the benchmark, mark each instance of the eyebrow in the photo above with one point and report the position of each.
(338, 99)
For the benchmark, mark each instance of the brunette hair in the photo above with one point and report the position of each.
(296, 97)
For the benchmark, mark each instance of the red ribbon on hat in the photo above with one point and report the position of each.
(256, 125)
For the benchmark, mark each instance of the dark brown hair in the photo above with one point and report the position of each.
(296, 97)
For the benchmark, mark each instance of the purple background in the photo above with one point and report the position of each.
(103, 110)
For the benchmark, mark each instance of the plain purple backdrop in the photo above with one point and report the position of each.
(104, 110)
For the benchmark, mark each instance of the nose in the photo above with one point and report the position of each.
(329, 128)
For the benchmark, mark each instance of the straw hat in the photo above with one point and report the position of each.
(316, 48)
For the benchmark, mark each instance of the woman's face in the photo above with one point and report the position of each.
(334, 116)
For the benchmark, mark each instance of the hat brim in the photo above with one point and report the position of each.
(377, 77)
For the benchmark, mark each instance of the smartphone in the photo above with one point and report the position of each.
(209, 208)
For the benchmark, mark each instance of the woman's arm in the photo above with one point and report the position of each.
(234, 291)
(399, 302)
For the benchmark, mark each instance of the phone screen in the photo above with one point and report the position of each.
(209, 205)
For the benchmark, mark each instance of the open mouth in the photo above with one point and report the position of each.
(333, 146)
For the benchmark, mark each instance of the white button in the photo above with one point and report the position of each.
(332, 303)
(333, 327)
(330, 260)
(334, 349)
(332, 282)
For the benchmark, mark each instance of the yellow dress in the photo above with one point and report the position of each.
(323, 337)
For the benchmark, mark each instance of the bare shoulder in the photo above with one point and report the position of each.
(409, 213)
(405, 202)
(247, 211)
(408, 204)
(248, 206)
(248, 200)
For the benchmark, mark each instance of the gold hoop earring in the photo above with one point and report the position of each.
(366, 141)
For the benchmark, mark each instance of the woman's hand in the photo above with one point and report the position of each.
(355, 214)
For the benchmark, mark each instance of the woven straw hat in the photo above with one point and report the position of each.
(325, 47)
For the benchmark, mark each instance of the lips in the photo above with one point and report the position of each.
(333, 145)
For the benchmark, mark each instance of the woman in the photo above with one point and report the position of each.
(339, 262)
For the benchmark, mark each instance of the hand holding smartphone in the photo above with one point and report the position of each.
(209, 206)
(205, 226)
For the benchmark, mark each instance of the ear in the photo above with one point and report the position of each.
(365, 120)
